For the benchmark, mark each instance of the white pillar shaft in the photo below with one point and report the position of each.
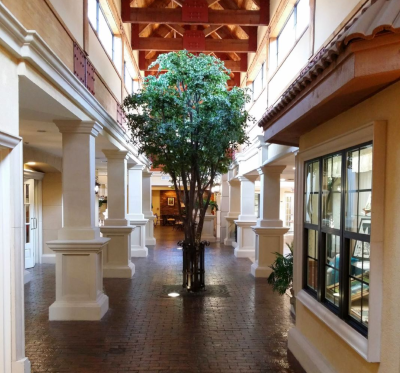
(234, 198)
(146, 194)
(247, 196)
(78, 179)
(135, 192)
(116, 187)
(270, 196)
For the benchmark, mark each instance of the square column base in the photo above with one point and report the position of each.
(230, 230)
(150, 240)
(117, 256)
(88, 311)
(138, 238)
(79, 280)
(258, 271)
(269, 241)
(246, 245)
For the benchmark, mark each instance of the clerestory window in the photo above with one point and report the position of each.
(111, 44)
(291, 32)
(337, 224)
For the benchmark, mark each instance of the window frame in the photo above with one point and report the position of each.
(345, 237)
(376, 131)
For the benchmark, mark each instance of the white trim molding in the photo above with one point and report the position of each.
(374, 131)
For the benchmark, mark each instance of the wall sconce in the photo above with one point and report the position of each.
(216, 188)
(96, 187)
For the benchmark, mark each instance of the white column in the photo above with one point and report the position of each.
(117, 256)
(79, 248)
(233, 212)
(269, 228)
(245, 236)
(135, 211)
(224, 207)
(147, 208)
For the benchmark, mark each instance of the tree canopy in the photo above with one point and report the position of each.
(189, 123)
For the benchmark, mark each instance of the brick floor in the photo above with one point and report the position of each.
(145, 332)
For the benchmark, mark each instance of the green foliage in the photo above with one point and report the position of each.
(213, 205)
(188, 122)
(281, 277)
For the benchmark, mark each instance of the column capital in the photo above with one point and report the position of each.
(234, 181)
(89, 127)
(138, 167)
(115, 154)
(266, 169)
(251, 178)
(147, 172)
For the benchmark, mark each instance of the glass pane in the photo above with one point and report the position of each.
(313, 244)
(358, 190)
(27, 235)
(331, 191)
(365, 305)
(105, 34)
(286, 39)
(273, 59)
(359, 260)
(332, 249)
(332, 285)
(356, 294)
(312, 193)
(303, 17)
(92, 13)
(27, 208)
(117, 58)
(26, 193)
(312, 279)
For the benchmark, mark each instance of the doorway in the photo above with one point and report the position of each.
(31, 223)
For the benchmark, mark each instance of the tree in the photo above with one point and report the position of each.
(189, 123)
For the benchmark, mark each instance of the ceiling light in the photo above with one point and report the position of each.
(31, 163)
(173, 295)
(283, 179)
(41, 131)
(294, 168)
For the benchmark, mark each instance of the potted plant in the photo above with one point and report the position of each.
(281, 277)
(189, 123)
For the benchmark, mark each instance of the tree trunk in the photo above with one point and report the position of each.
(193, 266)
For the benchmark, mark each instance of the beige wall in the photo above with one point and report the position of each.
(52, 208)
(156, 202)
(71, 12)
(383, 106)
(328, 16)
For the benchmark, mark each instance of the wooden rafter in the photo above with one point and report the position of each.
(174, 16)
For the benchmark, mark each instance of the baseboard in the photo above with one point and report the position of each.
(48, 259)
(307, 355)
(21, 366)
(27, 277)
(141, 252)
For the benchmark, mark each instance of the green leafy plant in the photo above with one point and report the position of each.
(213, 205)
(281, 277)
(189, 123)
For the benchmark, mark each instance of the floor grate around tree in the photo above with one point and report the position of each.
(212, 291)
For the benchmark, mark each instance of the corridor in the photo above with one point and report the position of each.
(242, 329)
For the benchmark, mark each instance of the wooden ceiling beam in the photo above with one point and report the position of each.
(174, 16)
(212, 45)
(179, 29)
(234, 66)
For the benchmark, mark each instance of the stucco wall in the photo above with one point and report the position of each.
(382, 106)
(52, 208)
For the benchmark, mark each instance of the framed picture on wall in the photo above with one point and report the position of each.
(171, 201)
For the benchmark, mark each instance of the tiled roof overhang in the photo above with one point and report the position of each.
(360, 61)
